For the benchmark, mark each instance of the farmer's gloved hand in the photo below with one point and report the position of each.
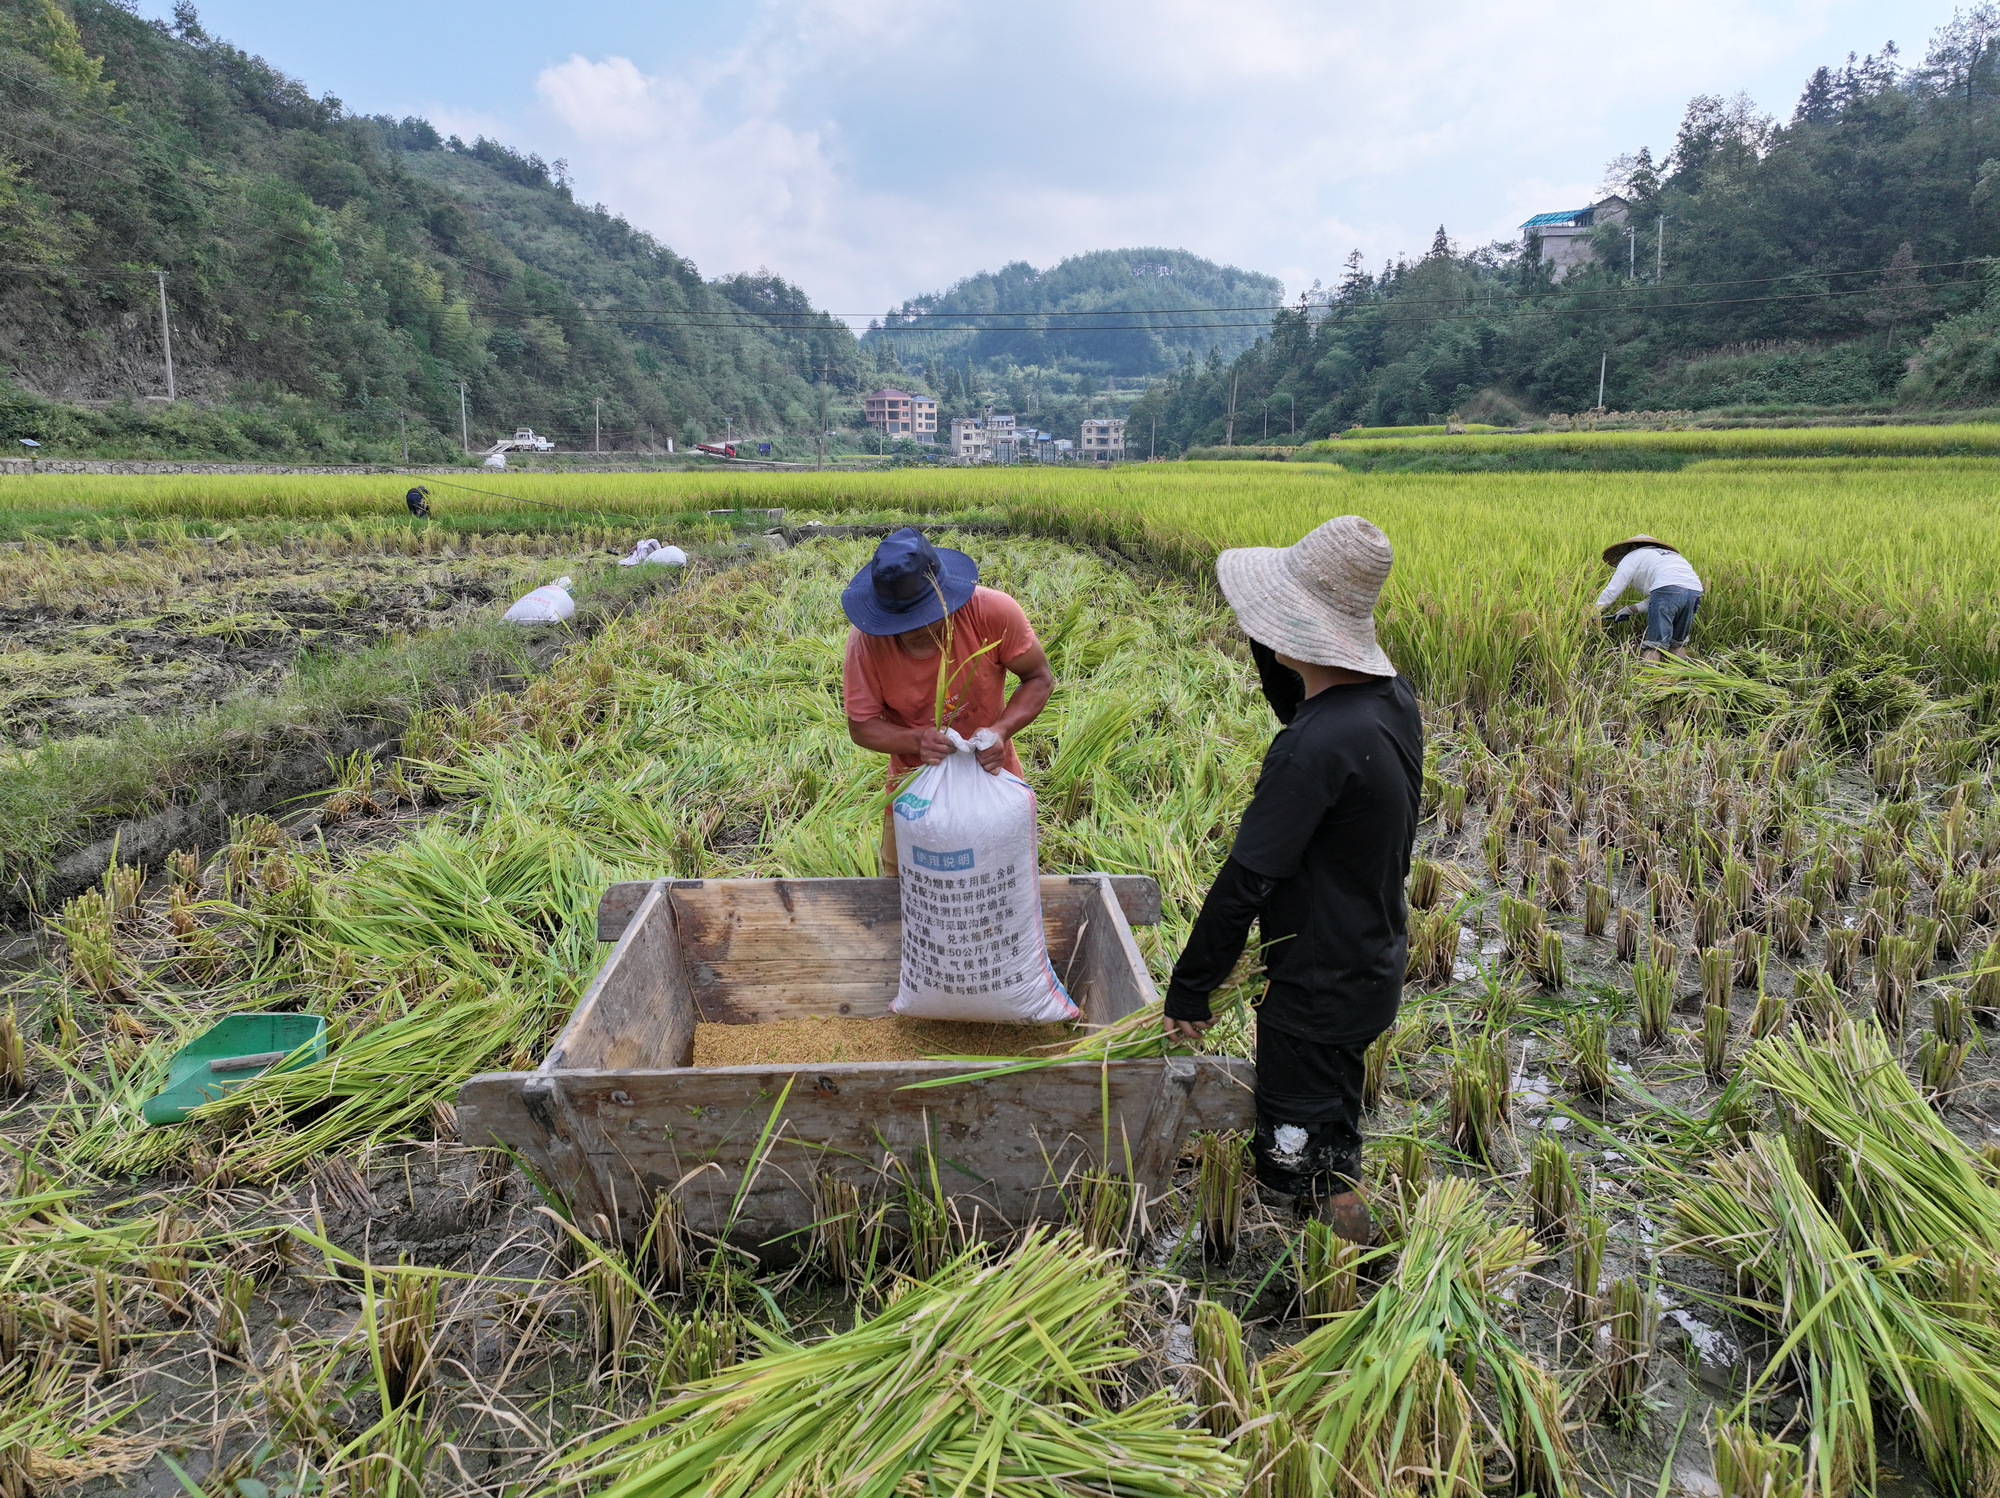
(1621, 616)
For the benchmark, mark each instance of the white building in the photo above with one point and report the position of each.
(1566, 234)
(969, 440)
(1103, 440)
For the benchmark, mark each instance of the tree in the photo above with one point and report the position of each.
(1440, 246)
(1901, 296)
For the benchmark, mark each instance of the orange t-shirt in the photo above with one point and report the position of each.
(881, 679)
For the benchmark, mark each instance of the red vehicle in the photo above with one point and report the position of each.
(716, 449)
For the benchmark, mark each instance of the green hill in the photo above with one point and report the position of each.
(986, 317)
(327, 272)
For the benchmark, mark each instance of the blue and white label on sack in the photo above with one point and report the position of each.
(944, 863)
(911, 807)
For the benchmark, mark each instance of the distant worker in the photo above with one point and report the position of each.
(1672, 592)
(418, 501)
(1319, 862)
(912, 605)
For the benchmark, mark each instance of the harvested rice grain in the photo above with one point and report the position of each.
(892, 1037)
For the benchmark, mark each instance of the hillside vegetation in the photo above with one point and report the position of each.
(326, 272)
(1836, 260)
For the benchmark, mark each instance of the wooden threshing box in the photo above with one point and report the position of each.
(615, 1113)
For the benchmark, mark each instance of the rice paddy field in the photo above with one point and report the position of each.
(1684, 1152)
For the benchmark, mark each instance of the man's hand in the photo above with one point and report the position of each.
(993, 758)
(931, 746)
(1186, 1030)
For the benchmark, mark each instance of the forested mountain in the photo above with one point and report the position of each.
(1834, 259)
(1076, 323)
(325, 271)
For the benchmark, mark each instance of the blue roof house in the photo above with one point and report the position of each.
(1565, 234)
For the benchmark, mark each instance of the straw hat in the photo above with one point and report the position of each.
(1315, 600)
(1633, 543)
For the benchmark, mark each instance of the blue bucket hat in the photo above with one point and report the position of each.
(907, 584)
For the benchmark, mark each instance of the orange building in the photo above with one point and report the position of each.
(897, 413)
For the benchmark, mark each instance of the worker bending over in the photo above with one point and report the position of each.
(1671, 588)
(1320, 859)
(913, 606)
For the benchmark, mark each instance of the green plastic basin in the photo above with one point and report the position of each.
(299, 1038)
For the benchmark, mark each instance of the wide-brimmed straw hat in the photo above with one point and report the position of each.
(907, 584)
(1633, 543)
(1314, 600)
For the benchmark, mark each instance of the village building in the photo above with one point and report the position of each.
(969, 440)
(1103, 440)
(897, 413)
(1566, 235)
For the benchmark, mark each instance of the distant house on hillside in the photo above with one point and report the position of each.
(1566, 235)
(897, 413)
(1103, 440)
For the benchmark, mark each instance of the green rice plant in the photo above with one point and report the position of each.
(1815, 999)
(1895, 980)
(232, 1311)
(1951, 1015)
(693, 1347)
(1715, 1043)
(1407, 1172)
(1628, 934)
(1549, 965)
(1327, 1267)
(1853, 1326)
(990, 1373)
(1954, 905)
(1426, 883)
(1381, 1392)
(1791, 925)
(1750, 951)
(1666, 896)
(168, 1261)
(1558, 882)
(1843, 950)
(91, 949)
(1434, 937)
(1477, 1090)
(1816, 888)
(1625, 1352)
(1551, 1188)
(1738, 888)
(1493, 850)
(1769, 1016)
(1939, 1064)
(1711, 919)
(1717, 968)
(1588, 1037)
(1219, 1189)
(1749, 1464)
(1596, 908)
(1521, 926)
(1221, 1371)
(1451, 807)
(1663, 954)
(1653, 995)
(1586, 1266)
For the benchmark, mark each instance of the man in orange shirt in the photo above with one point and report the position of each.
(915, 608)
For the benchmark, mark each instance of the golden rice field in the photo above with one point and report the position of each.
(1679, 1152)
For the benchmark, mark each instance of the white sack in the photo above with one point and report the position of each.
(668, 556)
(548, 604)
(498, 460)
(972, 900)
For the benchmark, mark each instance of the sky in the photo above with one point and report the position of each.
(875, 150)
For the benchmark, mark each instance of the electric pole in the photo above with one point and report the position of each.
(166, 334)
(1154, 440)
(823, 371)
(597, 425)
(464, 431)
(1660, 253)
(1229, 427)
(403, 426)
(1631, 252)
(1602, 364)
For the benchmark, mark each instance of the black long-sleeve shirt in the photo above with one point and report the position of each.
(1319, 861)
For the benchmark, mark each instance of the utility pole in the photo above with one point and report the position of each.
(1153, 441)
(1602, 364)
(822, 417)
(1631, 252)
(1660, 255)
(464, 431)
(1229, 427)
(1292, 426)
(403, 426)
(597, 425)
(166, 334)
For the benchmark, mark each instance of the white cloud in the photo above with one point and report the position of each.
(875, 149)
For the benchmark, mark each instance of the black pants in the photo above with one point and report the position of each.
(1310, 1090)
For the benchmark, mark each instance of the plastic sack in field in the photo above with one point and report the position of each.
(972, 901)
(498, 460)
(652, 552)
(548, 604)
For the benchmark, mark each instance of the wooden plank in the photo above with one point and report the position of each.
(1110, 974)
(1004, 1146)
(1137, 894)
(640, 1011)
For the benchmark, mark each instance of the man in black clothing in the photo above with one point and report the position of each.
(1320, 858)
